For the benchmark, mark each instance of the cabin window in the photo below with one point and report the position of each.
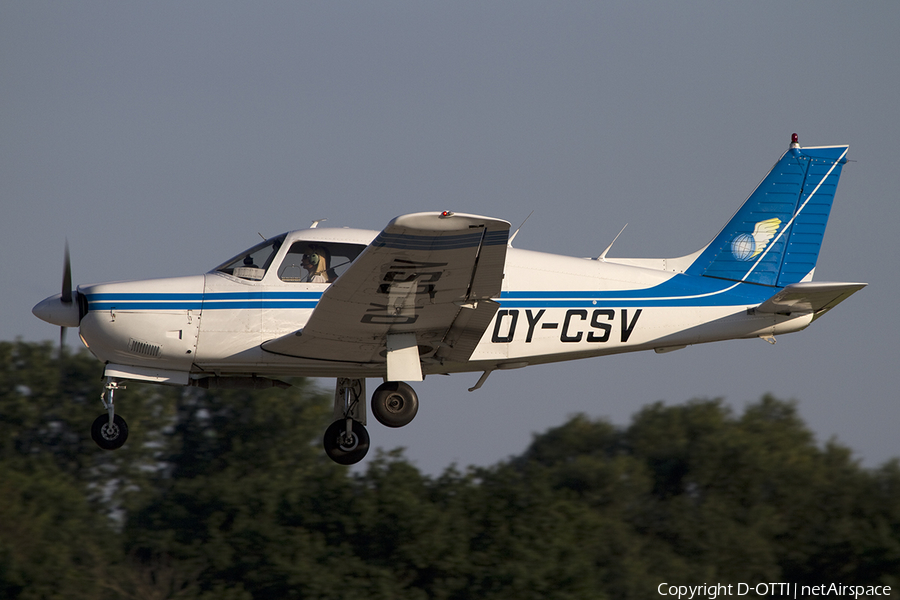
(252, 264)
(317, 262)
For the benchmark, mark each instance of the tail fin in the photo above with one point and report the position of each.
(775, 237)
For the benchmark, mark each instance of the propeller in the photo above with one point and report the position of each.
(64, 309)
(66, 297)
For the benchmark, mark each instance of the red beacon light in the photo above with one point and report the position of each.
(447, 213)
(795, 139)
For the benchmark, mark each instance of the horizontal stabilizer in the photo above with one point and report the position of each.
(809, 297)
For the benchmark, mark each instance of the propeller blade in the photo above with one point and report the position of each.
(66, 295)
(62, 338)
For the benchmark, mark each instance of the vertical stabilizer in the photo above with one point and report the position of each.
(775, 237)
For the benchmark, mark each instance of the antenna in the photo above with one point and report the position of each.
(316, 223)
(509, 243)
(603, 254)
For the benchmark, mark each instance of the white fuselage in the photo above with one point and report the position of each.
(552, 308)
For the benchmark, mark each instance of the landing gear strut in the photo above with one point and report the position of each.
(110, 431)
(346, 440)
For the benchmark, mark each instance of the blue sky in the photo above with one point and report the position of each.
(160, 138)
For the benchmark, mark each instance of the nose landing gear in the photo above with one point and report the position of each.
(109, 431)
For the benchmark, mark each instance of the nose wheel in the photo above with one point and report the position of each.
(109, 436)
(109, 431)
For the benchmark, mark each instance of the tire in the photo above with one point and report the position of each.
(346, 454)
(106, 437)
(394, 404)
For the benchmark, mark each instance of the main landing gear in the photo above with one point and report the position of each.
(346, 441)
(110, 431)
(394, 404)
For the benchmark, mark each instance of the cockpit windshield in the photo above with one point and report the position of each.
(253, 263)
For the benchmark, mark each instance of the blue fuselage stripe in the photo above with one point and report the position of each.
(271, 304)
(144, 305)
(680, 291)
(622, 303)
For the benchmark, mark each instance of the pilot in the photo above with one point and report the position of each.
(315, 261)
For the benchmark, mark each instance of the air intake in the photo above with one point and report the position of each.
(144, 348)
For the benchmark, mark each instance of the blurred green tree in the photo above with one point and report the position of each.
(228, 494)
(243, 478)
(51, 543)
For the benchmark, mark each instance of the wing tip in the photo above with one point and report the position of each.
(446, 221)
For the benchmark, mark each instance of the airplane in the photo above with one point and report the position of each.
(444, 292)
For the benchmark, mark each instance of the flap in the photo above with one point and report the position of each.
(431, 274)
(808, 297)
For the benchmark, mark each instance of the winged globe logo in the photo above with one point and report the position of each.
(746, 246)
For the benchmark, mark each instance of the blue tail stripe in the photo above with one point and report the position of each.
(775, 237)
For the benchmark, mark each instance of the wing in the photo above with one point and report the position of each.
(814, 296)
(763, 233)
(423, 287)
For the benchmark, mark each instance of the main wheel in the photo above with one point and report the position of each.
(109, 437)
(394, 404)
(346, 450)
